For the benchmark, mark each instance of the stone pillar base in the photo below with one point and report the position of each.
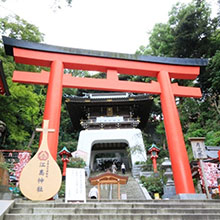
(186, 196)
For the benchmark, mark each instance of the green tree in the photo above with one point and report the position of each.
(161, 41)
(191, 32)
(22, 110)
(18, 28)
(186, 34)
(25, 106)
(192, 28)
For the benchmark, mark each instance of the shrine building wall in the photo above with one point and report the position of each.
(133, 137)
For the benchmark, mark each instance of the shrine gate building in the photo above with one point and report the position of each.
(111, 123)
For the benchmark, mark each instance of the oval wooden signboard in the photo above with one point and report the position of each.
(41, 178)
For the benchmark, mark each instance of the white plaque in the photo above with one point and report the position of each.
(109, 119)
(75, 185)
(198, 148)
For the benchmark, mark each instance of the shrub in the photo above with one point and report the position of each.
(153, 184)
(76, 163)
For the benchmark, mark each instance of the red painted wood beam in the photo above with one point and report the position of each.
(103, 64)
(184, 91)
(109, 84)
(41, 78)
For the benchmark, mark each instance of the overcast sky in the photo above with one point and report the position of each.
(107, 25)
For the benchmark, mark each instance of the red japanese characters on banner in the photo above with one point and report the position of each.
(23, 157)
(17, 159)
(212, 173)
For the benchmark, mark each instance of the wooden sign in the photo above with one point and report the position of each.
(198, 147)
(41, 177)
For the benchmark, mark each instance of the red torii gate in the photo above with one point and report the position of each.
(3, 83)
(58, 58)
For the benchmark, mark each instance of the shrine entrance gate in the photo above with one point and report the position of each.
(163, 69)
(94, 142)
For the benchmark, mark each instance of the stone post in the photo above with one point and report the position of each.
(169, 188)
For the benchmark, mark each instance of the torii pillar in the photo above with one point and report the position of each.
(53, 104)
(163, 69)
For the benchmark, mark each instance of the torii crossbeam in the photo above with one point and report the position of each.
(163, 69)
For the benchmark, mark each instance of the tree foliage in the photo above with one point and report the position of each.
(191, 33)
(153, 184)
(186, 34)
(22, 110)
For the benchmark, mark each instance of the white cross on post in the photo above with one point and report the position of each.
(45, 128)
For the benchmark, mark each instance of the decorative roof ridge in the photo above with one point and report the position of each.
(153, 146)
(64, 149)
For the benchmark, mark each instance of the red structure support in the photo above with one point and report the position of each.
(53, 104)
(163, 72)
(183, 180)
(154, 164)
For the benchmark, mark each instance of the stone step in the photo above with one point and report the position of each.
(117, 209)
(209, 216)
(139, 201)
(128, 205)
(83, 210)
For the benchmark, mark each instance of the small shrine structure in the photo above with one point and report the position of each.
(108, 178)
(211, 169)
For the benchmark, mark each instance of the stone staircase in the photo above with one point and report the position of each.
(132, 189)
(115, 210)
(135, 207)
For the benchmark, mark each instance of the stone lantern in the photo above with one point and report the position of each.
(153, 151)
(65, 155)
(169, 188)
